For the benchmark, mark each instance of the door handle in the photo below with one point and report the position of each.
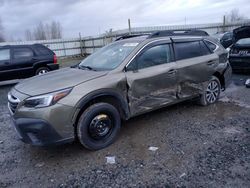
(211, 63)
(172, 71)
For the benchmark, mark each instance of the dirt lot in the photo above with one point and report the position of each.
(197, 147)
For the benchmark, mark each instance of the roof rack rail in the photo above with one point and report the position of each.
(189, 32)
(131, 36)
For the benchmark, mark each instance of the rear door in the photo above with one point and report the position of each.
(151, 78)
(23, 61)
(196, 64)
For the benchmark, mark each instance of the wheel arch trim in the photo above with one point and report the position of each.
(84, 101)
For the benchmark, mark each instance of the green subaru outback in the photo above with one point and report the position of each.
(131, 76)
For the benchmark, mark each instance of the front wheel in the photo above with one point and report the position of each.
(211, 92)
(98, 126)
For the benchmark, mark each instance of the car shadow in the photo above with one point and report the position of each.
(75, 148)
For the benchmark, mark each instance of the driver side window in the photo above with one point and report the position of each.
(155, 55)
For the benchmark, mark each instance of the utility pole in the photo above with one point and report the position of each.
(224, 23)
(80, 39)
(129, 26)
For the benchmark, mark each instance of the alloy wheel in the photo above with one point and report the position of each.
(43, 71)
(212, 91)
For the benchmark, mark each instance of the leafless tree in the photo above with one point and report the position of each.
(109, 33)
(48, 31)
(45, 31)
(39, 32)
(2, 39)
(234, 16)
(56, 30)
(28, 35)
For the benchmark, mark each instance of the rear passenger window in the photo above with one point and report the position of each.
(204, 49)
(185, 50)
(210, 45)
(153, 56)
(22, 53)
(4, 54)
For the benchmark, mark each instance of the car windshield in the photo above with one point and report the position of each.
(245, 41)
(109, 57)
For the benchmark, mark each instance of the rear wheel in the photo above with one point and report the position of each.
(98, 126)
(211, 92)
(42, 70)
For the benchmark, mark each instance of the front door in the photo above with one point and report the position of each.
(6, 69)
(151, 78)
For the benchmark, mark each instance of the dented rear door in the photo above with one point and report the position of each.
(196, 65)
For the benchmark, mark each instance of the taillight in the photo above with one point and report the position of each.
(55, 59)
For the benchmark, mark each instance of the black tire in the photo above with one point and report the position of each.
(41, 69)
(89, 132)
(204, 98)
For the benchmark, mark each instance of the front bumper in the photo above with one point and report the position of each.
(38, 132)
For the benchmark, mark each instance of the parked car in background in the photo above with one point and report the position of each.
(218, 36)
(129, 77)
(23, 61)
(239, 54)
(227, 39)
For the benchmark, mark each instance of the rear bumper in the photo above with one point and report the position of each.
(240, 63)
(53, 66)
(227, 73)
(38, 132)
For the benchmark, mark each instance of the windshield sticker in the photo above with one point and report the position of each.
(130, 44)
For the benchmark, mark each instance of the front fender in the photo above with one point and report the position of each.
(102, 93)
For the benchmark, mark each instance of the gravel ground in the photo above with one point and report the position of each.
(196, 147)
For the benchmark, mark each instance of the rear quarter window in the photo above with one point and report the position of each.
(210, 45)
(42, 51)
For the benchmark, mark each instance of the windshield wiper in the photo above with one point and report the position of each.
(86, 67)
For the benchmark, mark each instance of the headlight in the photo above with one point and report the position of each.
(47, 99)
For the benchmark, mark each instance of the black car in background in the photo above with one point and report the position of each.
(227, 39)
(23, 61)
(239, 54)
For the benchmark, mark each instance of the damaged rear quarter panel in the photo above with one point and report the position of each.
(194, 73)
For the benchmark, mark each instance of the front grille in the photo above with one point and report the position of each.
(241, 51)
(12, 102)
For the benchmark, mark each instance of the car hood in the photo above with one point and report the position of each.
(241, 32)
(56, 80)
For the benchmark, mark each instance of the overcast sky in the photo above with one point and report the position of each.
(91, 17)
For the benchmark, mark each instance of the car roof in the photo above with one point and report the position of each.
(145, 38)
(21, 46)
(133, 39)
(175, 35)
